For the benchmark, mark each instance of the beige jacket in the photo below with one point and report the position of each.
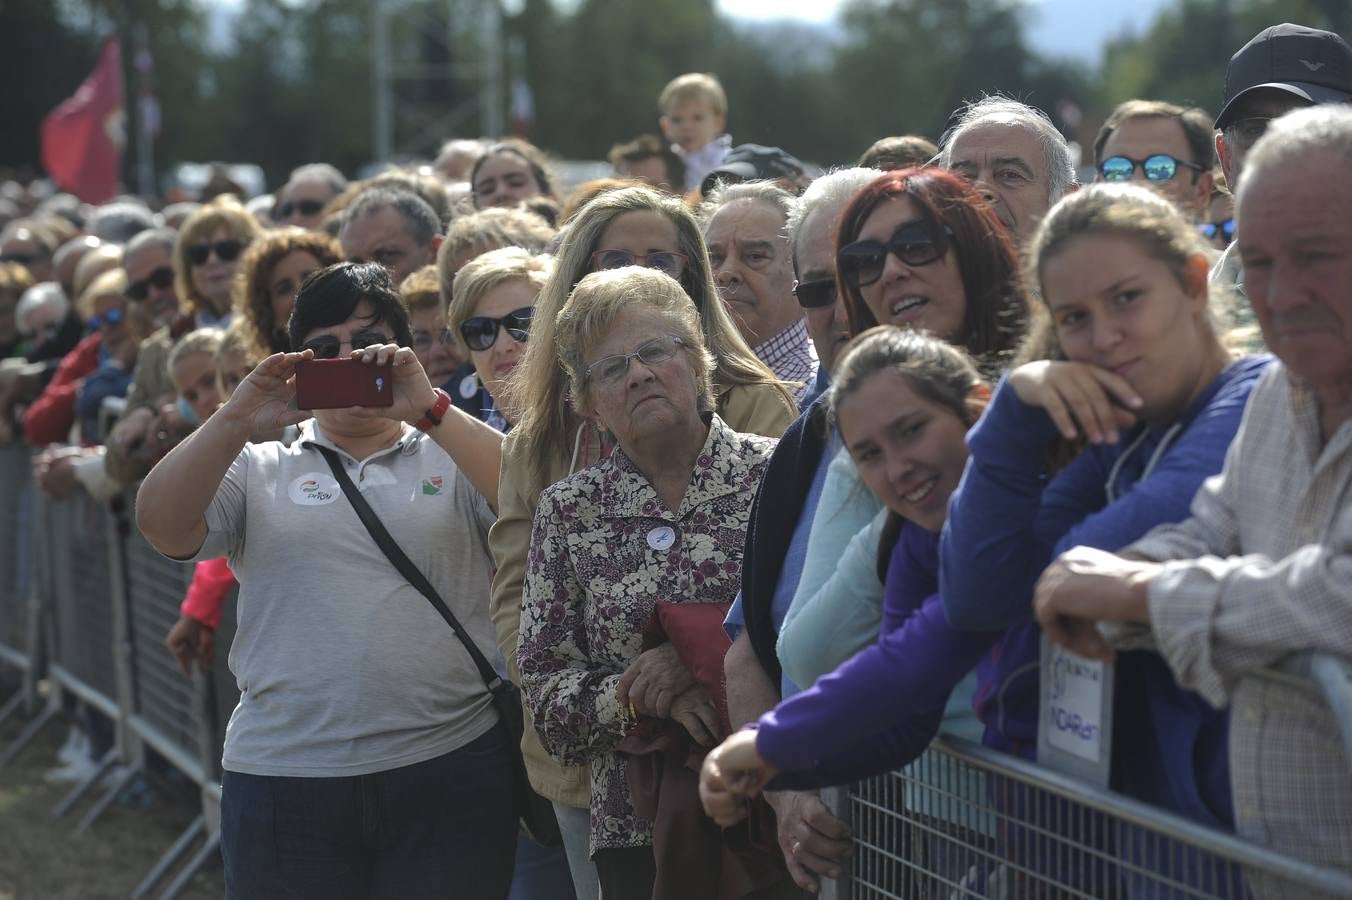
(754, 409)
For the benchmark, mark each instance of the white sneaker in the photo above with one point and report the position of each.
(75, 749)
(72, 773)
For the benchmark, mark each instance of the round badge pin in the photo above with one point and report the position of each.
(662, 537)
(469, 386)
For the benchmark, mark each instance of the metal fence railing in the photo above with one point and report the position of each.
(84, 595)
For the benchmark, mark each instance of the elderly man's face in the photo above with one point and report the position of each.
(1145, 136)
(816, 262)
(1295, 240)
(1007, 165)
(150, 269)
(383, 237)
(752, 267)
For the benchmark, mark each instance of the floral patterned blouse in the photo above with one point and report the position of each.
(604, 549)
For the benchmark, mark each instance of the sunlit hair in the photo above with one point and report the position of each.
(540, 385)
(224, 212)
(103, 258)
(904, 152)
(588, 191)
(488, 271)
(599, 299)
(1128, 211)
(488, 229)
(253, 281)
(531, 155)
(421, 289)
(14, 280)
(833, 191)
(1294, 138)
(112, 283)
(201, 340)
(996, 309)
(238, 338)
(694, 86)
(764, 192)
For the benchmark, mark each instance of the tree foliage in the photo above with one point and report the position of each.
(292, 82)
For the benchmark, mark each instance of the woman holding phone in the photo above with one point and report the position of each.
(363, 759)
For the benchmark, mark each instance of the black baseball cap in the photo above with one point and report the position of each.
(1308, 63)
(754, 162)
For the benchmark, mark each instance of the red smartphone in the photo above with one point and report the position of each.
(340, 383)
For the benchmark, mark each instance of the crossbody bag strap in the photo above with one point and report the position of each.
(400, 561)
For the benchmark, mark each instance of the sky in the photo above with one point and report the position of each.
(1071, 28)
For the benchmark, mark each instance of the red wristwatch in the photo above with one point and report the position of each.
(433, 416)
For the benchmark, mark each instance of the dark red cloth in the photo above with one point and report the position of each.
(82, 138)
(696, 858)
(49, 419)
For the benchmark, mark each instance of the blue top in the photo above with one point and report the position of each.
(792, 569)
(1007, 522)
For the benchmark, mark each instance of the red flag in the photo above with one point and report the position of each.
(82, 139)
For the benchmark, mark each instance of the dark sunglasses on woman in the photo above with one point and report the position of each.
(1159, 167)
(327, 346)
(160, 279)
(915, 243)
(304, 207)
(481, 332)
(669, 262)
(226, 251)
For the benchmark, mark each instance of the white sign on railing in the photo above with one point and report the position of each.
(1075, 721)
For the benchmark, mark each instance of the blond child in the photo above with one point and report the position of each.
(694, 113)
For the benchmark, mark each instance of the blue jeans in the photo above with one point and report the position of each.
(442, 828)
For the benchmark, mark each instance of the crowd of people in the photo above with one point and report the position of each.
(740, 476)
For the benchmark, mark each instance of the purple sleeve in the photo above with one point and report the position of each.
(878, 710)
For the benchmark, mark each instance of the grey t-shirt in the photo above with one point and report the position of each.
(343, 667)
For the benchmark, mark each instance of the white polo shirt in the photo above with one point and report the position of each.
(343, 667)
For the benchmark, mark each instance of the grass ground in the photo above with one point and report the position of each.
(43, 859)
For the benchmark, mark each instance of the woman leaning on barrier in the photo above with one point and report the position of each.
(363, 759)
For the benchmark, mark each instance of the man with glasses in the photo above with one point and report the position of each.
(813, 841)
(1165, 147)
(306, 193)
(1015, 158)
(749, 254)
(1284, 67)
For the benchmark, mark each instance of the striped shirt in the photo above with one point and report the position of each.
(1263, 569)
(791, 356)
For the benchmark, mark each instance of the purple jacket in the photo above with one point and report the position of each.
(881, 708)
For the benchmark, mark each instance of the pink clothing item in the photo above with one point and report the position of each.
(211, 582)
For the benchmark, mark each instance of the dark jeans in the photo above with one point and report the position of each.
(442, 828)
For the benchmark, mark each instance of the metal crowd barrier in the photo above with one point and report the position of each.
(84, 594)
(20, 649)
(965, 821)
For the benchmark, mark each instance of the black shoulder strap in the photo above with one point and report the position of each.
(396, 556)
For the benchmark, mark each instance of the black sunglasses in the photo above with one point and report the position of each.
(481, 332)
(914, 243)
(226, 251)
(815, 294)
(1156, 167)
(1226, 229)
(161, 279)
(327, 346)
(23, 259)
(304, 207)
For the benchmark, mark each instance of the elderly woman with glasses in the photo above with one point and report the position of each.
(551, 440)
(660, 521)
(364, 758)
